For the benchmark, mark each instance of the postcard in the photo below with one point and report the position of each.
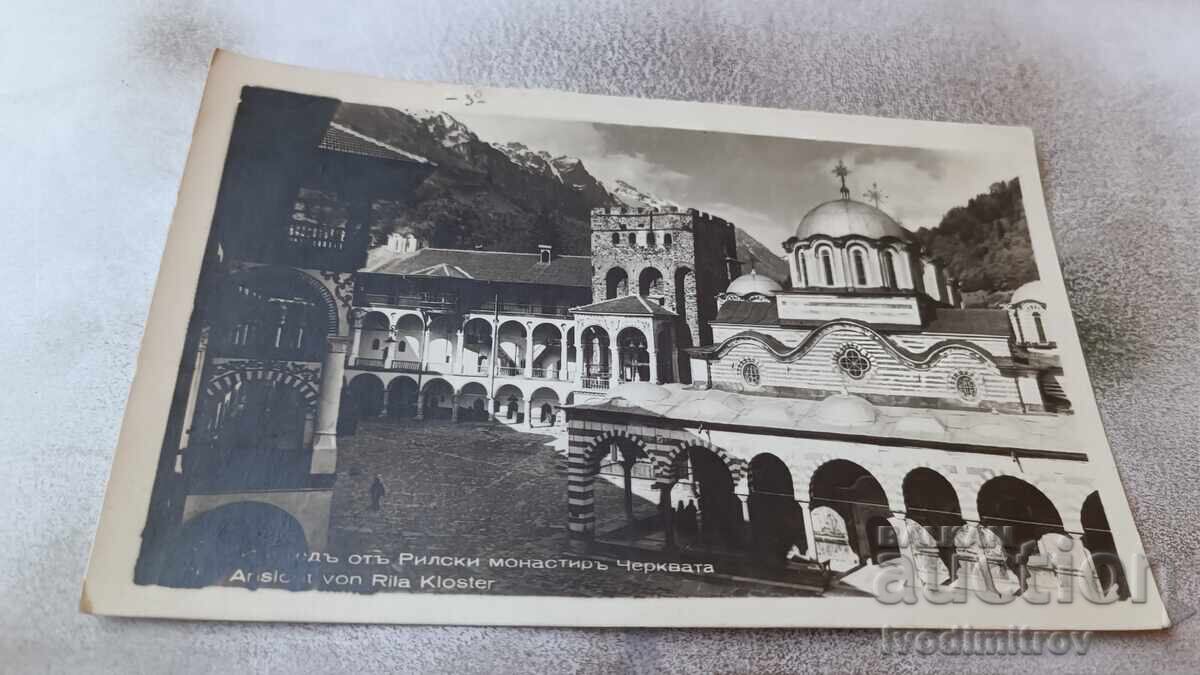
(434, 353)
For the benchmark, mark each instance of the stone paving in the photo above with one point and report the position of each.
(482, 490)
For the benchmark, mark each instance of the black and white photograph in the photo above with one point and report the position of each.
(465, 352)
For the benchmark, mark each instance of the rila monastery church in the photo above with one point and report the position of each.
(830, 421)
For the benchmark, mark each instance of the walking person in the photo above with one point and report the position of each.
(377, 492)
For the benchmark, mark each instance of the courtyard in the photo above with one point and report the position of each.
(485, 490)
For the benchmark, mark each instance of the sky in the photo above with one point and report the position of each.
(763, 184)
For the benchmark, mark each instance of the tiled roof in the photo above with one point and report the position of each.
(969, 322)
(341, 138)
(521, 268)
(753, 313)
(629, 305)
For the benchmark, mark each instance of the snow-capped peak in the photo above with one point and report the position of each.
(631, 196)
(452, 134)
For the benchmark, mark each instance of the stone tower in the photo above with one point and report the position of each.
(682, 259)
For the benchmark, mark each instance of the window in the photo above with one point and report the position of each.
(964, 383)
(651, 239)
(633, 239)
(1041, 329)
(750, 374)
(860, 268)
(667, 240)
(545, 257)
(616, 238)
(889, 269)
(853, 362)
(827, 266)
(402, 346)
(802, 265)
(375, 343)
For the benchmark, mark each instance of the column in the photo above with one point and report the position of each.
(422, 359)
(454, 406)
(564, 351)
(457, 366)
(653, 363)
(666, 513)
(421, 406)
(489, 404)
(356, 326)
(193, 391)
(579, 361)
(614, 364)
(528, 351)
(528, 404)
(810, 534)
(333, 369)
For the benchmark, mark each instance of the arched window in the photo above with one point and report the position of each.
(802, 266)
(651, 239)
(1041, 329)
(545, 257)
(750, 374)
(827, 265)
(616, 239)
(888, 261)
(375, 343)
(667, 240)
(965, 384)
(633, 238)
(860, 268)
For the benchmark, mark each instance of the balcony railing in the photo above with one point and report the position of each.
(546, 373)
(510, 371)
(427, 301)
(406, 366)
(596, 383)
(525, 309)
(364, 362)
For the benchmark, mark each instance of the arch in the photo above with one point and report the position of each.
(366, 395)
(825, 257)
(596, 355)
(405, 347)
(719, 517)
(250, 536)
(473, 402)
(931, 502)
(858, 263)
(543, 404)
(1019, 514)
(443, 333)
(634, 355)
(437, 399)
(684, 277)
(651, 239)
(776, 522)
(632, 238)
(667, 240)
(511, 343)
(402, 398)
(477, 347)
(1098, 539)
(1039, 327)
(266, 276)
(887, 263)
(616, 283)
(859, 499)
(509, 403)
(650, 282)
(250, 418)
(616, 239)
(617, 452)
(548, 347)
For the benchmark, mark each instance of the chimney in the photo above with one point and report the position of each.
(545, 253)
(395, 242)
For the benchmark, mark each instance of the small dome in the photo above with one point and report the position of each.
(845, 411)
(753, 282)
(769, 416)
(703, 409)
(641, 392)
(846, 217)
(1034, 290)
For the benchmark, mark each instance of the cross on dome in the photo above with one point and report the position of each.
(841, 172)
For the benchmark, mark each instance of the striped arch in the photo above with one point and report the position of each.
(318, 289)
(583, 465)
(596, 448)
(664, 462)
(226, 382)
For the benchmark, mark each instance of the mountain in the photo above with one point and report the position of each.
(985, 245)
(503, 196)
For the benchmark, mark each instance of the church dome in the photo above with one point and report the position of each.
(1033, 290)
(842, 410)
(846, 217)
(753, 282)
(641, 392)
